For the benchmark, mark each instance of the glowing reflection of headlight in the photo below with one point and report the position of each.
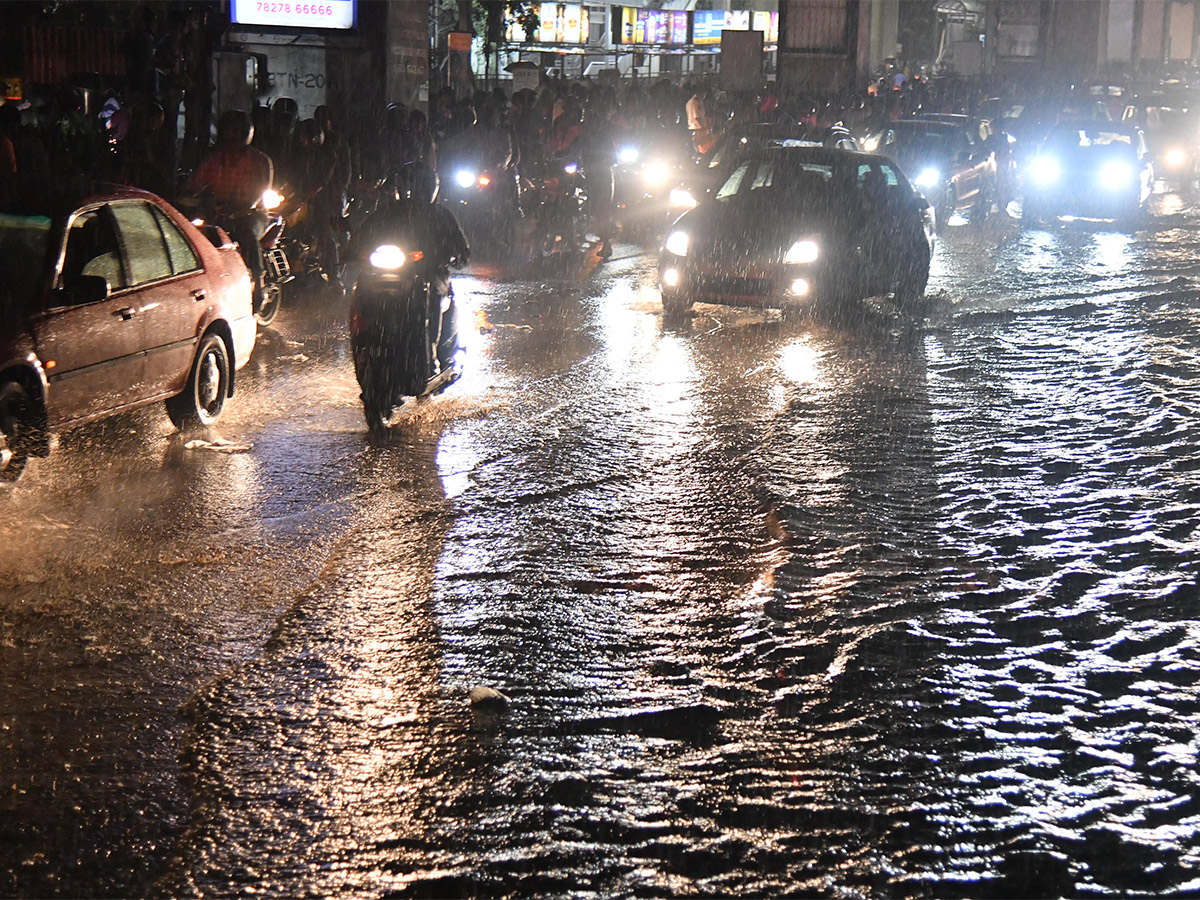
(683, 199)
(387, 256)
(670, 277)
(464, 177)
(677, 243)
(1044, 170)
(928, 178)
(1175, 157)
(802, 252)
(627, 155)
(655, 173)
(800, 287)
(1115, 175)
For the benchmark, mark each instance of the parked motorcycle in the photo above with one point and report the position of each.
(403, 331)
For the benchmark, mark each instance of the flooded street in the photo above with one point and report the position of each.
(829, 605)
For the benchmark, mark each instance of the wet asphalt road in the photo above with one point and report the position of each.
(823, 606)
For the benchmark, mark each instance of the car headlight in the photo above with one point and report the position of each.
(655, 173)
(1044, 170)
(677, 243)
(387, 256)
(271, 199)
(871, 144)
(571, 168)
(928, 178)
(802, 252)
(1115, 174)
(1175, 157)
(681, 198)
(464, 177)
(627, 155)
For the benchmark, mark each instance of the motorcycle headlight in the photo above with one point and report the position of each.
(271, 199)
(677, 243)
(655, 173)
(627, 155)
(928, 178)
(387, 256)
(802, 252)
(682, 199)
(1115, 175)
(1044, 170)
(871, 144)
(464, 178)
(1175, 157)
(571, 168)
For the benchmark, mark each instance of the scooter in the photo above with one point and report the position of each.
(403, 331)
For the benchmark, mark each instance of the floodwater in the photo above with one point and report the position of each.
(783, 606)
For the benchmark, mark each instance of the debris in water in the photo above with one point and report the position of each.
(220, 445)
(486, 699)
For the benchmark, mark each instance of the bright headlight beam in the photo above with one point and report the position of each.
(1044, 170)
(464, 177)
(1176, 157)
(677, 243)
(627, 155)
(387, 256)
(802, 252)
(1115, 175)
(655, 173)
(928, 178)
(682, 199)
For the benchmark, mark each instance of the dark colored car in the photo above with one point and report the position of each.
(948, 159)
(794, 226)
(736, 144)
(1171, 126)
(1088, 169)
(109, 301)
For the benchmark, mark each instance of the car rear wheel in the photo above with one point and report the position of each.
(201, 401)
(16, 430)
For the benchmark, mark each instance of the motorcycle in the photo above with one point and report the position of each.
(558, 201)
(484, 201)
(221, 223)
(403, 331)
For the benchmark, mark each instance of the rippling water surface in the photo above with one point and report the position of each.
(834, 606)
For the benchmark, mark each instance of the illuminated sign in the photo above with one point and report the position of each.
(653, 26)
(294, 13)
(557, 23)
(707, 26)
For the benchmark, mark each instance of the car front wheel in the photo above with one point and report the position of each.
(16, 430)
(202, 399)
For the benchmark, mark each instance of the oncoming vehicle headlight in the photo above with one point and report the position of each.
(928, 178)
(464, 177)
(655, 173)
(627, 155)
(802, 252)
(387, 256)
(1044, 170)
(1115, 174)
(271, 199)
(677, 243)
(1175, 157)
(871, 144)
(681, 198)
(571, 168)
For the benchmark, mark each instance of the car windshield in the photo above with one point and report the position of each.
(1070, 138)
(921, 141)
(24, 241)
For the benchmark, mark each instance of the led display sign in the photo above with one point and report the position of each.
(653, 26)
(339, 14)
(557, 23)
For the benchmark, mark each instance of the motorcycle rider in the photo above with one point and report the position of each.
(415, 220)
(233, 178)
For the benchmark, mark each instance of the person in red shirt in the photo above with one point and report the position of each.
(231, 181)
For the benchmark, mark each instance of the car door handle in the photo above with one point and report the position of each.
(198, 295)
(126, 312)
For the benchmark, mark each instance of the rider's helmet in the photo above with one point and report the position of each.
(234, 128)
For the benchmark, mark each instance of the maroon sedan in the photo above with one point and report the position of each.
(109, 302)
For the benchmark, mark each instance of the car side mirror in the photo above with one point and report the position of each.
(79, 290)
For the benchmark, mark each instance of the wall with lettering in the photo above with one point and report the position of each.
(296, 72)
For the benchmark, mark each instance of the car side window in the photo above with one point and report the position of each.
(148, 259)
(732, 184)
(92, 249)
(179, 249)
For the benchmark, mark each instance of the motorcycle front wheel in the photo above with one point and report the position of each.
(272, 299)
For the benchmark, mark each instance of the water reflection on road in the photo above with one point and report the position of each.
(834, 606)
